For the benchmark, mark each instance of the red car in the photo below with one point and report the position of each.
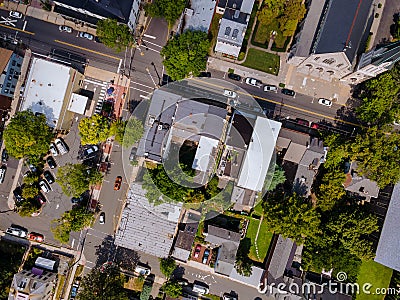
(117, 184)
(37, 237)
(197, 251)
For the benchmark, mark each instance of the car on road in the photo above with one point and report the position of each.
(270, 88)
(61, 146)
(288, 92)
(3, 170)
(19, 232)
(4, 155)
(142, 270)
(51, 162)
(205, 74)
(86, 35)
(37, 237)
(205, 256)
(74, 290)
(132, 156)
(44, 186)
(253, 82)
(197, 251)
(234, 76)
(302, 122)
(325, 102)
(15, 14)
(228, 296)
(53, 149)
(49, 177)
(230, 94)
(102, 218)
(117, 184)
(90, 150)
(64, 28)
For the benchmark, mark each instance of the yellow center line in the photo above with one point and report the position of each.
(17, 29)
(284, 104)
(87, 50)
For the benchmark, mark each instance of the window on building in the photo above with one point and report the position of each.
(339, 65)
(235, 33)
(13, 63)
(328, 61)
(316, 58)
(19, 65)
(227, 30)
(8, 84)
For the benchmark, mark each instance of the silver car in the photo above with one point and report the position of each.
(64, 28)
(86, 35)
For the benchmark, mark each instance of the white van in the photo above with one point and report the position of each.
(199, 289)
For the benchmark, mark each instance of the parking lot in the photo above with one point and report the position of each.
(200, 254)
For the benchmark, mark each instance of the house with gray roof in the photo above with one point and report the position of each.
(359, 185)
(216, 236)
(233, 26)
(199, 15)
(332, 37)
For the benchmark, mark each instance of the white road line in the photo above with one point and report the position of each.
(94, 82)
(119, 66)
(23, 28)
(139, 90)
(149, 36)
(144, 97)
(154, 44)
(73, 243)
(152, 88)
(153, 49)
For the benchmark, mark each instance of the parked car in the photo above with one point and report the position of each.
(90, 150)
(76, 200)
(117, 184)
(132, 156)
(302, 122)
(205, 74)
(64, 28)
(40, 199)
(51, 162)
(270, 88)
(74, 290)
(3, 170)
(206, 255)
(37, 237)
(230, 94)
(234, 76)
(49, 177)
(253, 82)
(228, 296)
(197, 251)
(44, 186)
(18, 195)
(102, 218)
(32, 168)
(61, 146)
(200, 288)
(15, 14)
(142, 270)
(325, 102)
(4, 155)
(86, 35)
(53, 149)
(288, 92)
(19, 232)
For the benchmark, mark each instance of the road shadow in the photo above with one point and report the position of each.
(106, 251)
(126, 259)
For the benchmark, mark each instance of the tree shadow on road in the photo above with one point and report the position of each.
(106, 251)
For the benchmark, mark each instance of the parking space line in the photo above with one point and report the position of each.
(154, 44)
(88, 50)
(149, 36)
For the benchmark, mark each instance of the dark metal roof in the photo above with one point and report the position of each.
(342, 27)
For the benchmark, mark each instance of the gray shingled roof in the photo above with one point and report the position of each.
(218, 236)
(380, 55)
(226, 258)
(282, 256)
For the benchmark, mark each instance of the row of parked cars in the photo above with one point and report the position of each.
(23, 233)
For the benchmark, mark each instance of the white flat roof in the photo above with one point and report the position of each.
(203, 155)
(45, 89)
(200, 14)
(259, 154)
(77, 103)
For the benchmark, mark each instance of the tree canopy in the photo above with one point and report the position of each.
(167, 266)
(133, 132)
(186, 54)
(76, 179)
(27, 135)
(94, 130)
(278, 177)
(114, 35)
(170, 10)
(103, 283)
(243, 263)
(172, 289)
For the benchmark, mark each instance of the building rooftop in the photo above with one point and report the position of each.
(199, 15)
(294, 153)
(218, 236)
(283, 253)
(204, 159)
(46, 88)
(352, 15)
(145, 227)
(226, 258)
(77, 104)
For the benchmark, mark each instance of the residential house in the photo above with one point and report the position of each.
(331, 38)
(359, 185)
(10, 68)
(199, 15)
(35, 284)
(50, 89)
(233, 26)
(89, 12)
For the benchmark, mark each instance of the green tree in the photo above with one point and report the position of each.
(27, 135)
(278, 177)
(133, 132)
(380, 103)
(103, 283)
(378, 156)
(167, 266)
(330, 190)
(27, 208)
(293, 217)
(146, 292)
(30, 179)
(76, 179)
(243, 263)
(293, 13)
(29, 191)
(170, 10)
(94, 130)
(114, 35)
(117, 129)
(270, 10)
(186, 54)
(172, 289)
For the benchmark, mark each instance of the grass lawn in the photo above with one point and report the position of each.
(258, 210)
(262, 61)
(263, 241)
(214, 30)
(377, 275)
(262, 33)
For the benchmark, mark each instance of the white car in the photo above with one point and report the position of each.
(61, 146)
(325, 102)
(15, 14)
(102, 218)
(64, 28)
(230, 94)
(270, 88)
(253, 82)
(53, 149)
(86, 35)
(142, 270)
(44, 186)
